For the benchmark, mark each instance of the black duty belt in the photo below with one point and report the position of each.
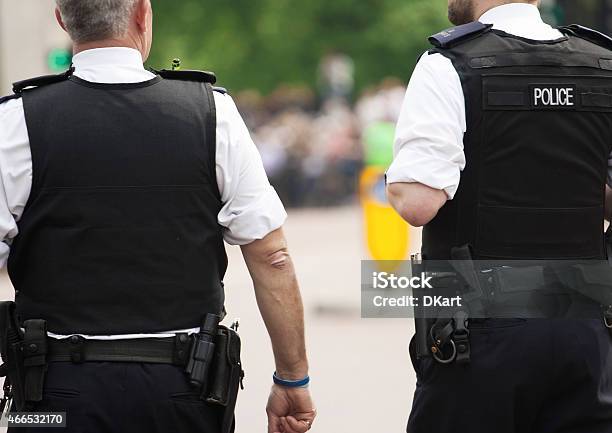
(147, 350)
(592, 281)
(507, 291)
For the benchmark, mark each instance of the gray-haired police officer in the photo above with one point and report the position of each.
(118, 188)
(502, 147)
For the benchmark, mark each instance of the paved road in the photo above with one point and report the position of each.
(362, 377)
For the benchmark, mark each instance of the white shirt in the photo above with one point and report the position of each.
(251, 207)
(429, 138)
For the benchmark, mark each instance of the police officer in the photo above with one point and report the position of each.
(502, 150)
(119, 186)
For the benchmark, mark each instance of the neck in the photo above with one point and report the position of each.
(484, 6)
(107, 43)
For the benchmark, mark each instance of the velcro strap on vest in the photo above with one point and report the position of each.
(148, 350)
(574, 60)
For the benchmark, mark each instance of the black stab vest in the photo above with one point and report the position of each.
(120, 232)
(539, 134)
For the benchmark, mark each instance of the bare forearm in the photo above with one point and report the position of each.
(280, 303)
(281, 308)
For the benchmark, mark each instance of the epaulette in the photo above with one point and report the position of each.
(4, 99)
(44, 80)
(588, 34)
(454, 35)
(188, 75)
(219, 89)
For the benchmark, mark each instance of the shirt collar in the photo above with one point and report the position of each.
(520, 19)
(505, 15)
(119, 56)
(110, 65)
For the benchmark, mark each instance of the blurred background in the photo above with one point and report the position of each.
(320, 85)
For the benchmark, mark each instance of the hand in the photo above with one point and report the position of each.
(290, 410)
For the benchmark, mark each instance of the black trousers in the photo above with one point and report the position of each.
(124, 398)
(525, 376)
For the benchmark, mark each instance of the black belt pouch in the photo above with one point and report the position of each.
(227, 375)
(10, 346)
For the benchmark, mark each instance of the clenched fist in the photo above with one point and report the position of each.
(290, 410)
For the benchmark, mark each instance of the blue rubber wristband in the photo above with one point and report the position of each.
(291, 383)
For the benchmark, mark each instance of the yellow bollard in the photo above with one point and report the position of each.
(387, 234)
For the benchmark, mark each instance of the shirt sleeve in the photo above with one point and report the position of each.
(428, 145)
(15, 172)
(251, 207)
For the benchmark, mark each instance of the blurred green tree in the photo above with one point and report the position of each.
(260, 44)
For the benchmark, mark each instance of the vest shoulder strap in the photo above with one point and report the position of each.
(455, 35)
(188, 75)
(44, 80)
(588, 34)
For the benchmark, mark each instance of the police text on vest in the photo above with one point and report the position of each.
(553, 96)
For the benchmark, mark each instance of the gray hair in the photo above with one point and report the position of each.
(94, 20)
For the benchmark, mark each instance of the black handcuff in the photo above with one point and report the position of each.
(455, 333)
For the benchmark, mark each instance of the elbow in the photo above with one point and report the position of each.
(416, 216)
(416, 204)
(271, 252)
(278, 259)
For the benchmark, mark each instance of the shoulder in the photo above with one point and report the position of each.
(5, 99)
(31, 83)
(10, 106)
(227, 112)
(455, 35)
(434, 61)
(12, 115)
(588, 34)
(14, 100)
(434, 70)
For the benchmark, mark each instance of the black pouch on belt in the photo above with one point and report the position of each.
(11, 348)
(34, 358)
(226, 375)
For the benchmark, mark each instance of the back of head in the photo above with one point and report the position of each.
(94, 20)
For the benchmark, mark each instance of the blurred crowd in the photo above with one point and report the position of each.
(311, 145)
